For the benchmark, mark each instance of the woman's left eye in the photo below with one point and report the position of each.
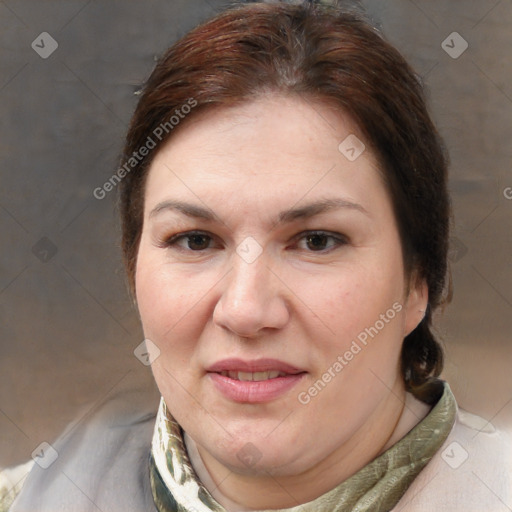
(318, 241)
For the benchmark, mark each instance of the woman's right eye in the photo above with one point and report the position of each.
(190, 241)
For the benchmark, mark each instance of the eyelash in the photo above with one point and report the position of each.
(340, 240)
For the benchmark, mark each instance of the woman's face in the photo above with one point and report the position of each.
(270, 277)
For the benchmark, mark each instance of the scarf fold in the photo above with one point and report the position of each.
(377, 487)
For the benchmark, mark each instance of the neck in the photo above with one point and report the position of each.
(240, 492)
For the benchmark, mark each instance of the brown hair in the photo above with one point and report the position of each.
(328, 55)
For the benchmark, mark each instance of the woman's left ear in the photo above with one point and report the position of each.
(416, 305)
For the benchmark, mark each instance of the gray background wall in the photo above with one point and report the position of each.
(67, 326)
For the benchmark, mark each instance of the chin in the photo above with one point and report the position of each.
(249, 460)
(253, 454)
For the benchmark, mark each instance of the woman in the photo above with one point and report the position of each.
(285, 220)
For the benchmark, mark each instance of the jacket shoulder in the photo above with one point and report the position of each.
(99, 462)
(472, 471)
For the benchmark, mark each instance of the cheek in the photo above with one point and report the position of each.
(168, 305)
(169, 312)
(353, 299)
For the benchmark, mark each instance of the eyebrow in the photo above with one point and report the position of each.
(286, 216)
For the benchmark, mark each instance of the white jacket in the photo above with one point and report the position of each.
(471, 472)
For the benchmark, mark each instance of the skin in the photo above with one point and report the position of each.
(294, 303)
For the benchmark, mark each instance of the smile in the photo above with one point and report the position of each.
(256, 381)
(253, 376)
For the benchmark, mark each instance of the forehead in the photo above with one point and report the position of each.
(274, 148)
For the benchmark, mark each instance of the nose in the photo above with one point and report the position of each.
(252, 301)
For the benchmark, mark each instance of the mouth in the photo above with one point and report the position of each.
(253, 376)
(257, 381)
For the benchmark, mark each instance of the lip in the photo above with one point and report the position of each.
(254, 391)
(256, 365)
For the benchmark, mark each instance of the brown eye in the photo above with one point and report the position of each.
(191, 241)
(198, 242)
(317, 242)
(320, 241)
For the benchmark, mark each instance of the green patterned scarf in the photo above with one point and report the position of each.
(377, 487)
